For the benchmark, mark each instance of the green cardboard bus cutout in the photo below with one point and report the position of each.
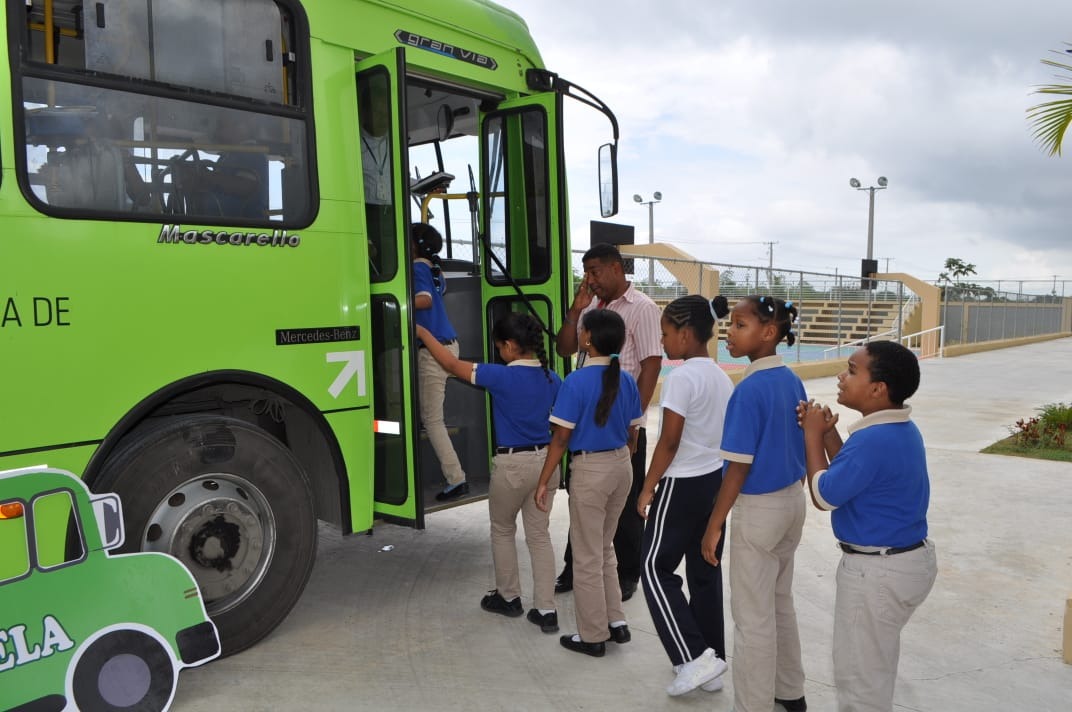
(79, 628)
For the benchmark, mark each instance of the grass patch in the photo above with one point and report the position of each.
(1045, 437)
(1009, 446)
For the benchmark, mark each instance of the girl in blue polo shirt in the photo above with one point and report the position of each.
(522, 393)
(429, 286)
(764, 452)
(596, 416)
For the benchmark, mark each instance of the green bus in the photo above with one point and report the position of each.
(204, 263)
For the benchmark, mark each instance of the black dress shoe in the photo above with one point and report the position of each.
(548, 622)
(596, 650)
(797, 705)
(451, 492)
(563, 584)
(620, 634)
(628, 589)
(495, 603)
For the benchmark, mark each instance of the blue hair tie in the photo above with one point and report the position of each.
(788, 304)
(615, 355)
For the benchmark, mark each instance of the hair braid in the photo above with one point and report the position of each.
(535, 339)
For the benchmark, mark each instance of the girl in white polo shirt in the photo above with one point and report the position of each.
(687, 468)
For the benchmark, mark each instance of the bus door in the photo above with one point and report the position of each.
(524, 216)
(381, 119)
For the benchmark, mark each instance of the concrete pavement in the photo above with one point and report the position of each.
(402, 629)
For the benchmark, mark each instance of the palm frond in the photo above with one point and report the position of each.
(1052, 118)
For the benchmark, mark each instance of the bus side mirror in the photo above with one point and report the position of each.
(608, 180)
(109, 514)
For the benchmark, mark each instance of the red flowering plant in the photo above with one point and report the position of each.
(1048, 430)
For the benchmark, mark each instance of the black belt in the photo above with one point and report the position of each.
(445, 342)
(522, 448)
(849, 549)
(575, 453)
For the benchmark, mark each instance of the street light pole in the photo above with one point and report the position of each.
(655, 198)
(853, 183)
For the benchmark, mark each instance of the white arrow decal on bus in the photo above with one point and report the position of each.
(355, 366)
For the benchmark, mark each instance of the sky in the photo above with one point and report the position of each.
(751, 117)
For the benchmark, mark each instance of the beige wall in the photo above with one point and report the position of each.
(929, 311)
(696, 277)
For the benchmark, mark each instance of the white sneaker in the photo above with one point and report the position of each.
(696, 672)
(715, 685)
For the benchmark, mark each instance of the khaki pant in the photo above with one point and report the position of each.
(514, 478)
(432, 385)
(765, 530)
(599, 485)
(876, 595)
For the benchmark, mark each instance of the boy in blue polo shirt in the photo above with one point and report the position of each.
(876, 486)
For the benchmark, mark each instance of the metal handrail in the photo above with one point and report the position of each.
(905, 339)
(941, 339)
(860, 342)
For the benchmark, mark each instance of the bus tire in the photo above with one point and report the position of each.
(123, 670)
(233, 504)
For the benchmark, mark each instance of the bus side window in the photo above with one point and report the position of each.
(82, 166)
(377, 165)
(518, 187)
(14, 543)
(57, 534)
(122, 120)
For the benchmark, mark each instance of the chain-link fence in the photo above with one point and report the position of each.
(833, 309)
(837, 311)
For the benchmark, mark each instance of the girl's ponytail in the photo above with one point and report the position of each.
(612, 379)
(606, 330)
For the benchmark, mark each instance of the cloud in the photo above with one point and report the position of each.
(751, 117)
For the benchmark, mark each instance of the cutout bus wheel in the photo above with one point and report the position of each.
(124, 670)
(233, 504)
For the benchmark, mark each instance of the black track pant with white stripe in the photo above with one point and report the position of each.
(676, 523)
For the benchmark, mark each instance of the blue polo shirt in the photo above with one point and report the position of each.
(521, 400)
(434, 319)
(761, 426)
(575, 408)
(877, 484)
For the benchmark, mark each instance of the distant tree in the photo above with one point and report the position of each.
(955, 288)
(1052, 118)
(955, 268)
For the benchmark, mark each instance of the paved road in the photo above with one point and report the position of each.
(403, 630)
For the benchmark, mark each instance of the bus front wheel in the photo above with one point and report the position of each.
(233, 504)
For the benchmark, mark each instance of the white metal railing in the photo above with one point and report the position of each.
(910, 303)
(908, 340)
(860, 342)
